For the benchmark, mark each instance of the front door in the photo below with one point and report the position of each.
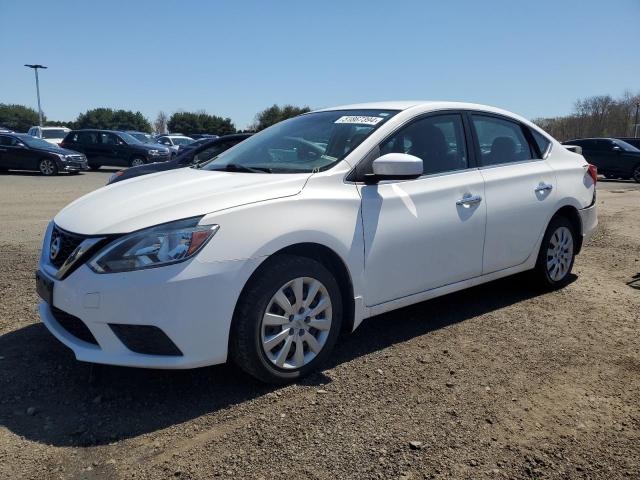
(424, 233)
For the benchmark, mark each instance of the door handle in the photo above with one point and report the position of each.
(469, 200)
(544, 187)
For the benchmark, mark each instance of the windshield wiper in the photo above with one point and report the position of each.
(235, 167)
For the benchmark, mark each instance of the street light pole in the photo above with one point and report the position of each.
(635, 123)
(35, 68)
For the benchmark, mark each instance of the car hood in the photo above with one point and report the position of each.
(166, 196)
(56, 149)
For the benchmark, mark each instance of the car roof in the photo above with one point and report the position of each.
(51, 128)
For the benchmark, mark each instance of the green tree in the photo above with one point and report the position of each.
(275, 114)
(17, 117)
(190, 123)
(110, 119)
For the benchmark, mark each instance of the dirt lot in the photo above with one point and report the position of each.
(496, 382)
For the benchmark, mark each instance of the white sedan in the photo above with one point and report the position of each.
(307, 228)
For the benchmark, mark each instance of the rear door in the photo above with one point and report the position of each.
(428, 232)
(16, 155)
(7, 154)
(519, 190)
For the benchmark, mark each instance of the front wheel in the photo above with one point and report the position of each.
(48, 167)
(636, 174)
(287, 320)
(136, 162)
(557, 254)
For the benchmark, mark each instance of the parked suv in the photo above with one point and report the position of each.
(613, 157)
(265, 255)
(20, 151)
(50, 134)
(107, 147)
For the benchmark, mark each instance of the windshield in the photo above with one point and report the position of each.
(627, 147)
(57, 133)
(130, 139)
(34, 142)
(304, 144)
(143, 137)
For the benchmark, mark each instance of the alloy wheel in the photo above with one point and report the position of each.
(559, 253)
(296, 323)
(47, 167)
(136, 162)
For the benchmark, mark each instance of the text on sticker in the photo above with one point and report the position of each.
(360, 120)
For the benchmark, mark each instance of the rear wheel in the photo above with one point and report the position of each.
(557, 254)
(136, 162)
(609, 175)
(48, 167)
(287, 320)
(636, 174)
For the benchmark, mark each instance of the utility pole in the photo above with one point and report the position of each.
(635, 123)
(35, 68)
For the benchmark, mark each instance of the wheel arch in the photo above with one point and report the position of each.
(331, 261)
(571, 213)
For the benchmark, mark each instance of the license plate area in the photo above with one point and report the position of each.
(44, 287)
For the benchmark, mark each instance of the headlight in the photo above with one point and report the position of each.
(154, 247)
(154, 153)
(62, 157)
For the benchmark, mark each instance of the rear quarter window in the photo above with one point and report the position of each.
(542, 142)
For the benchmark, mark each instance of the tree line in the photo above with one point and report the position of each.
(20, 118)
(597, 116)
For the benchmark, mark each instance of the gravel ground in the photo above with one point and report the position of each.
(499, 381)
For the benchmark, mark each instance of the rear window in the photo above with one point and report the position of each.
(57, 133)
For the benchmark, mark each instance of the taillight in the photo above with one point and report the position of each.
(592, 170)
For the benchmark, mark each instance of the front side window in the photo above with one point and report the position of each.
(308, 143)
(8, 141)
(501, 141)
(437, 140)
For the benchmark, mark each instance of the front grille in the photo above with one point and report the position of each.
(146, 339)
(68, 242)
(73, 325)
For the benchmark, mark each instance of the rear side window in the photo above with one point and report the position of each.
(87, 138)
(8, 141)
(501, 141)
(437, 140)
(542, 142)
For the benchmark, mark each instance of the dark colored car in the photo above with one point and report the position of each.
(635, 141)
(107, 147)
(19, 151)
(613, 157)
(201, 154)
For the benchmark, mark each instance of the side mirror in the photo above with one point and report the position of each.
(21, 145)
(395, 166)
(616, 149)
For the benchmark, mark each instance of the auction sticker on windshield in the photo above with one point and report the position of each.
(359, 120)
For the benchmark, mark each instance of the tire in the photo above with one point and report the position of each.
(609, 176)
(269, 352)
(136, 162)
(636, 174)
(48, 167)
(557, 254)
(94, 167)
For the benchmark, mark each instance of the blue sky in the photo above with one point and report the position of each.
(236, 58)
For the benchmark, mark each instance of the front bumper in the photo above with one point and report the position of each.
(191, 302)
(589, 221)
(73, 166)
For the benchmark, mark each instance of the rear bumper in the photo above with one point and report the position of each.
(589, 221)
